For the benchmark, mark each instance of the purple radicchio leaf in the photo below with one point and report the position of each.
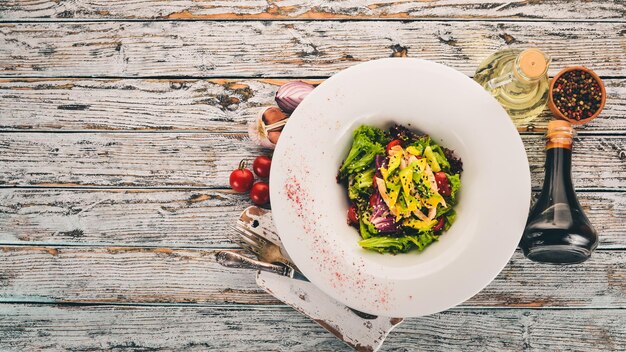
(380, 161)
(381, 218)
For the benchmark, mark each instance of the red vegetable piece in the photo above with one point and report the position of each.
(440, 222)
(443, 184)
(260, 193)
(392, 144)
(353, 218)
(372, 200)
(261, 166)
(241, 179)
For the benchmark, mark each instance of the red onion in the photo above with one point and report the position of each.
(291, 94)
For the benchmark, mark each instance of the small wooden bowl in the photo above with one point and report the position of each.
(557, 113)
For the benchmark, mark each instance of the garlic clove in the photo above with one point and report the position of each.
(273, 136)
(258, 128)
(272, 115)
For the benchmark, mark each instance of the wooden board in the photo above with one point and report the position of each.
(311, 9)
(165, 275)
(183, 218)
(127, 220)
(135, 217)
(289, 48)
(216, 105)
(206, 160)
(236, 328)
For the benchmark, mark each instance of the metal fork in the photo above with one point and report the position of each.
(264, 249)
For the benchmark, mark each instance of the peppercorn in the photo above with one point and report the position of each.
(577, 94)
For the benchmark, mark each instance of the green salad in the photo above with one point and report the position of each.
(402, 187)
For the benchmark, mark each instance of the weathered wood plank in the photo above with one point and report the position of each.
(206, 160)
(311, 9)
(215, 105)
(183, 218)
(125, 159)
(171, 218)
(165, 275)
(236, 328)
(289, 48)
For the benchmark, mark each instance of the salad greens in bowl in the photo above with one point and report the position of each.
(402, 186)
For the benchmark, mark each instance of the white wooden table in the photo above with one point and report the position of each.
(121, 121)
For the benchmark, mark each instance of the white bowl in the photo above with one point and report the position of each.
(309, 207)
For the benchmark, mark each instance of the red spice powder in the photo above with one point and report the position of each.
(320, 249)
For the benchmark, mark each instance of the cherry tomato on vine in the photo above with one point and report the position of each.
(241, 179)
(260, 193)
(392, 144)
(262, 165)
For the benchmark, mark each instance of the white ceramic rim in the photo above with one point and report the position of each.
(308, 207)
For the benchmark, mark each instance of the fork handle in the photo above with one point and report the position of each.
(236, 260)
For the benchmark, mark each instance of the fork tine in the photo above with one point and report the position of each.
(250, 248)
(253, 236)
(251, 243)
(246, 238)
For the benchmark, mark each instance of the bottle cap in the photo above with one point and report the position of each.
(532, 63)
(560, 134)
(554, 125)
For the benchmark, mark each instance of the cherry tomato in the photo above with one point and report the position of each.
(260, 193)
(440, 222)
(392, 144)
(241, 179)
(261, 166)
(372, 200)
(353, 218)
(442, 183)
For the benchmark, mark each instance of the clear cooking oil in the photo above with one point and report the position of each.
(518, 80)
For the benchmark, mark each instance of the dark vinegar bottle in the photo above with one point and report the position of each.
(557, 230)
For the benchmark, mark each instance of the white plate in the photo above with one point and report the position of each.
(309, 207)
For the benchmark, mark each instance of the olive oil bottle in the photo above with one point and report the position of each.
(557, 229)
(518, 80)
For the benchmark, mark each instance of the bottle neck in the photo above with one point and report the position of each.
(558, 174)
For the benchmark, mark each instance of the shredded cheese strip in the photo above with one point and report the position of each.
(431, 213)
(431, 178)
(420, 215)
(382, 189)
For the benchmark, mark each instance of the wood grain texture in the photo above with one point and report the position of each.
(311, 9)
(171, 218)
(183, 218)
(237, 328)
(166, 275)
(289, 48)
(216, 105)
(206, 160)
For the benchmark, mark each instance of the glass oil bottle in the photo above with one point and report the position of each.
(557, 229)
(518, 80)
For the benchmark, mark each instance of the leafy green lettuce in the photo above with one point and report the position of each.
(368, 142)
(366, 228)
(394, 245)
(455, 185)
(450, 217)
(360, 184)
